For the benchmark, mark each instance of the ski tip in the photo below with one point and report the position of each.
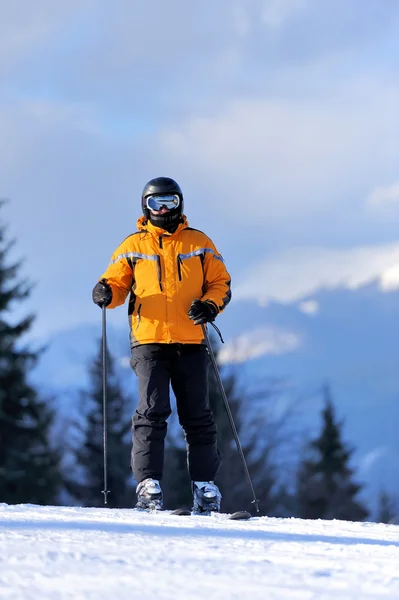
(241, 515)
(181, 512)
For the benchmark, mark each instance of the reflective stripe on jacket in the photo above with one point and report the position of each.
(164, 273)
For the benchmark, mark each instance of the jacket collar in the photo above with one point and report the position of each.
(144, 225)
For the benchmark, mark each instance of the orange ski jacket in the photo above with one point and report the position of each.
(164, 272)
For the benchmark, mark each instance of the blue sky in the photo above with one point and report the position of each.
(279, 118)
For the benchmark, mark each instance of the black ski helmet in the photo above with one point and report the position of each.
(162, 186)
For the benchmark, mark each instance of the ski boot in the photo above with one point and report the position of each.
(207, 497)
(149, 495)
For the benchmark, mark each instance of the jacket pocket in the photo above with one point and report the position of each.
(192, 262)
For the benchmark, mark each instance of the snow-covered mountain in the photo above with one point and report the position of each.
(346, 338)
(82, 553)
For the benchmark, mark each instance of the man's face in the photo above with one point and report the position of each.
(161, 211)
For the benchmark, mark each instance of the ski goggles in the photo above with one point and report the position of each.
(168, 201)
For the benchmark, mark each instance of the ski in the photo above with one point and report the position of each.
(150, 510)
(241, 515)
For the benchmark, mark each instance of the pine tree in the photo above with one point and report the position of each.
(29, 463)
(388, 511)
(88, 482)
(325, 486)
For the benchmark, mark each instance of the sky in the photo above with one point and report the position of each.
(278, 118)
(99, 553)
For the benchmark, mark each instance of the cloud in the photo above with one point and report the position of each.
(62, 179)
(289, 158)
(276, 118)
(260, 342)
(372, 458)
(384, 195)
(309, 307)
(276, 12)
(241, 19)
(389, 279)
(27, 28)
(297, 273)
(124, 362)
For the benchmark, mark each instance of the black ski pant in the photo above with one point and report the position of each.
(185, 367)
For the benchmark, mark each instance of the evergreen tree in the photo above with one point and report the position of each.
(88, 483)
(325, 486)
(387, 509)
(29, 463)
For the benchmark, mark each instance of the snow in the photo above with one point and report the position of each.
(82, 553)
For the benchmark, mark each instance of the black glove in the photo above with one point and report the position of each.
(102, 293)
(202, 312)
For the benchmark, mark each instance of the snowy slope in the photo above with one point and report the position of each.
(102, 554)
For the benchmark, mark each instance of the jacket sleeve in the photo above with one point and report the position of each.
(217, 284)
(119, 275)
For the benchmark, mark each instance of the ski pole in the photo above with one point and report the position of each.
(105, 491)
(255, 501)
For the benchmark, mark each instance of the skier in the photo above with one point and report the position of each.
(177, 281)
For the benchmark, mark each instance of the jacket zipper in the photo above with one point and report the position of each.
(159, 263)
(159, 269)
(138, 316)
(179, 263)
